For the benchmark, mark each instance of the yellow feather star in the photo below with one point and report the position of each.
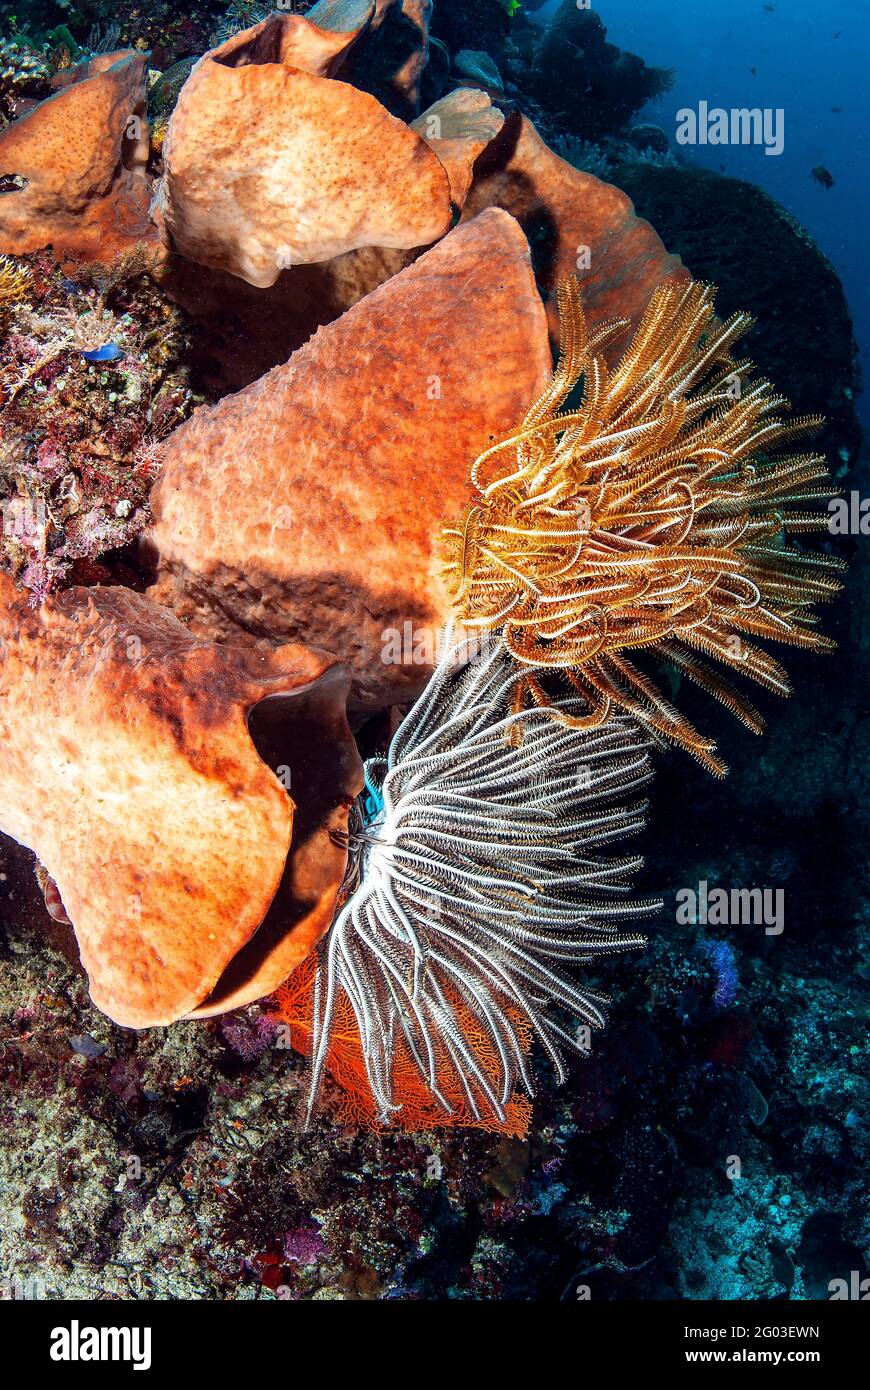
(15, 284)
(653, 514)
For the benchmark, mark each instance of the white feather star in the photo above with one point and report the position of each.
(472, 877)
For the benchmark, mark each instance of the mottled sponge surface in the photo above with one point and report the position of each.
(576, 224)
(308, 506)
(127, 766)
(268, 165)
(82, 155)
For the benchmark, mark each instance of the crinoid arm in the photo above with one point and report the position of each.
(651, 518)
(476, 886)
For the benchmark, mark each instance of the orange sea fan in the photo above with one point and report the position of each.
(651, 514)
(355, 1103)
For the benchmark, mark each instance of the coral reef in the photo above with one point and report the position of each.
(14, 289)
(168, 1164)
(95, 375)
(25, 75)
(599, 87)
(175, 1162)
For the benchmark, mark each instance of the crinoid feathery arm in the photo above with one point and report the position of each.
(653, 513)
(474, 880)
(644, 507)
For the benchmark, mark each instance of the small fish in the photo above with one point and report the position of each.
(837, 110)
(822, 176)
(768, 9)
(753, 71)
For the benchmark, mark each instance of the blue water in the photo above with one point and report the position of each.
(801, 67)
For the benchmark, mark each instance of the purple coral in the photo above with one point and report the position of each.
(304, 1245)
(248, 1037)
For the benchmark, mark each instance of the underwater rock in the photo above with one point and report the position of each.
(81, 155)
(268, 165)
(591, 82)
(127, 767)
(307, 507)
(575, 225)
